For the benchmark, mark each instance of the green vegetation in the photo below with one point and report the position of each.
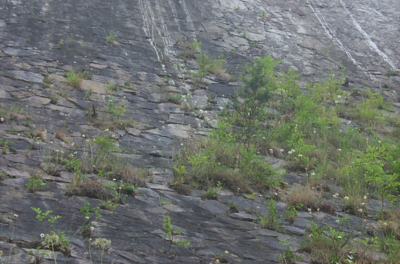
(189, 50)
(35, 183)
(5, 145)
(208, 65)
(74, 78)
(174, 98)
(270, 115)
(113, 87)
(110, 37)
(170, 233)
(53, 99)
(115, 111)
(46, 81)
(229, 155)
(270, 221)
(88, 94)
(288, 256)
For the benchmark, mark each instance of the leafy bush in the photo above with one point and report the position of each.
(115, 111)
(35, 183)
(327, 244)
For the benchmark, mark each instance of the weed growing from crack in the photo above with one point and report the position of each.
(170, 235)
(74, 78)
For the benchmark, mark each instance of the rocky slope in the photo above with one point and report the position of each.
(39, 40)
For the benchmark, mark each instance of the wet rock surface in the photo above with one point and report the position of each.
(39, 40)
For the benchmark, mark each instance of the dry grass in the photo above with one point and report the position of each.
(60, 134)
(188, 54)
(390, 228)
(306, 196)
(42, 134)
(135, 176)
(88, 188)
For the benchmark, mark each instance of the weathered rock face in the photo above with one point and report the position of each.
(312, 36)
(41, 39)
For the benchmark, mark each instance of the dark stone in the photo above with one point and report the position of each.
(223, 89)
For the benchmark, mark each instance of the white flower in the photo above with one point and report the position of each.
(336, 102)
(282, 150)
(362, 204)
(339, 237)
(276, 194)
(114, 179)
(271, 150)
(339, 150)
(15, 215)
(293, 151)
(181, 144)
(339, 96)
(365, 197)
(163, 127)
(300, 155)
(360, 210)
(337, 221)
(42, 235)
(87, 217)
(346, 198)
(226, 252)
(309, 209)
(2, 119)
(312, 173)
(91, 228)
(83, 135)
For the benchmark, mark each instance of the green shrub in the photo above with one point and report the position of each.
(170, 233)
(35, 183)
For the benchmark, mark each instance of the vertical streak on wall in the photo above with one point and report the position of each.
(166, 39)
(370, 43)
(188, 17)
(330, 34)
(148, 27)
(174, 14)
